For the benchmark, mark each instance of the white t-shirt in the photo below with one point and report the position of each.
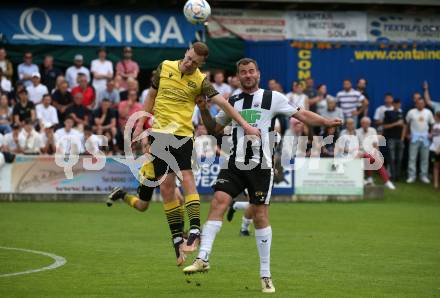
(435, 137)
(297, 99)
(36, 93)
(93, 143)
(6, 84)
(30, 142)
(102, 68)
(66, 140)
(436, 106)
(379, 114)
(8, 141)
(371, 134)
(223, 89)
(419, 121)
(1, 140)
(46, 115)
(72, 75)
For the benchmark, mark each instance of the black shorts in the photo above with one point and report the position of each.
(434, 156)
(182, 154)
(258, 182)
(145, 193)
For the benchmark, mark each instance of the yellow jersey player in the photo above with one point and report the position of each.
(171, 97)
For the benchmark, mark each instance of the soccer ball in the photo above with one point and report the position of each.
(196, 11)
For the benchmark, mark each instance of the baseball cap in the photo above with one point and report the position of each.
(36, 74)
(78, 57)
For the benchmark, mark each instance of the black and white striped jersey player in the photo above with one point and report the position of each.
(250, 163)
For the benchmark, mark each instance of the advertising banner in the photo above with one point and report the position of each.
(404, 28)
(94, 27)
(328, 176)
(327, 26)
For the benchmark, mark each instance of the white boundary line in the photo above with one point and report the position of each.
(59, 261)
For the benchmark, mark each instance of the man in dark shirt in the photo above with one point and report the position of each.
(61, 100)
(104, 118)
(78, 112)
(393, 129)
(49, 73)
(24, 109)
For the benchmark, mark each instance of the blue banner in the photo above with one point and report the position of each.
(96, 27)
(400, 71)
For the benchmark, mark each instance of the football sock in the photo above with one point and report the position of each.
(210, 230)
(192, 206)
(174, 218)
(240, 205)
(131, 200)
(245, 223)
(182, 212)
(264, 240)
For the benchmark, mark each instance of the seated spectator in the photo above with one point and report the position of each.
(48, 140)
(24, 109)
(73, 71)
(127, 68)
(297, 96)
(26, 69)
(379, 114)
(29, 139)
(328, 150)
(67, 139)
(5, 115)
(60, 79)
(46, 113)
(393, 131)
(220, 85)
(146, 90)
(87, 92)
(105, 119)
(109, 92)
(435, 149)
(10, 141)
(111, 148)
(321, 99)
(102, 70)
(298, 143)
(119, 83)
(49, 73)
(5, 84)
(132, 85)
(91, 142)
(6, 65)
(62, 100)
(78, 113)
(127, 108)
(332, 111)
(36, 90)
(13, 95)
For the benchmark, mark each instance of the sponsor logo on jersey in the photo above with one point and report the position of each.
(251, 116)
(192, 84)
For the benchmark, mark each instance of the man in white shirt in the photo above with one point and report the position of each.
(351, 101)
(91, 141)
(26, 69)
(29, 139)
(46, 114)
(36, 90)
(297, 96)
(379, 114)
(102, 70)
(10, 140)
(67, 139)
(220, 85)
(5, 84)
(73, 71)
(419, 120)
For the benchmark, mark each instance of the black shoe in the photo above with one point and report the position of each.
(244, 233)
(231, 211)
(116, 194)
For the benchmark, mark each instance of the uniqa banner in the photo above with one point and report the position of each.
(79, 27)
(400, 27)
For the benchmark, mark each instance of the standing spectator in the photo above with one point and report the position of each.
(29, 139)
(49, 73)
(36, 90)
(88, 94)
(418, 120)
(10, 141)
(5, 115)
(332, 111)
(109, 92)
(351, 101)
(433, 105)
(235, 85)
(311, 93)
(297, 97)
(435, 149)
(102, 70)
(416, 96)
(46, 113)
(393, 131)
(24, 109)
(5, 84)
(220, 85)
(322, 98)
(62, 100)
(146, 90)
(48, 140)
(27, 69)
(67, 139)
(127, 108)
(379, 114)
(73, 71)
(105, 118)
(127, 68)
(78, 112)
(362, 88)
(6, 65)
(132, 85)
(272, 84)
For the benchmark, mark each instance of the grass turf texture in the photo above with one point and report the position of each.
(373, 248)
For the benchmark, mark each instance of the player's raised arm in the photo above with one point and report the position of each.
(211, 125)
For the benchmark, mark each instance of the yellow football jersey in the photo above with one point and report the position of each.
(174, 104)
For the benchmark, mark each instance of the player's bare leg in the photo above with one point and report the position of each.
(140, 204)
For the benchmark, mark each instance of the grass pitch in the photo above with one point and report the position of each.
(362, 249)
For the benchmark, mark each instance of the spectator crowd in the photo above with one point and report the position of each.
(47, 109)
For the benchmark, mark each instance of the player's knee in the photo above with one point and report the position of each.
(142, 206)
(221, 202)
(260, 215)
